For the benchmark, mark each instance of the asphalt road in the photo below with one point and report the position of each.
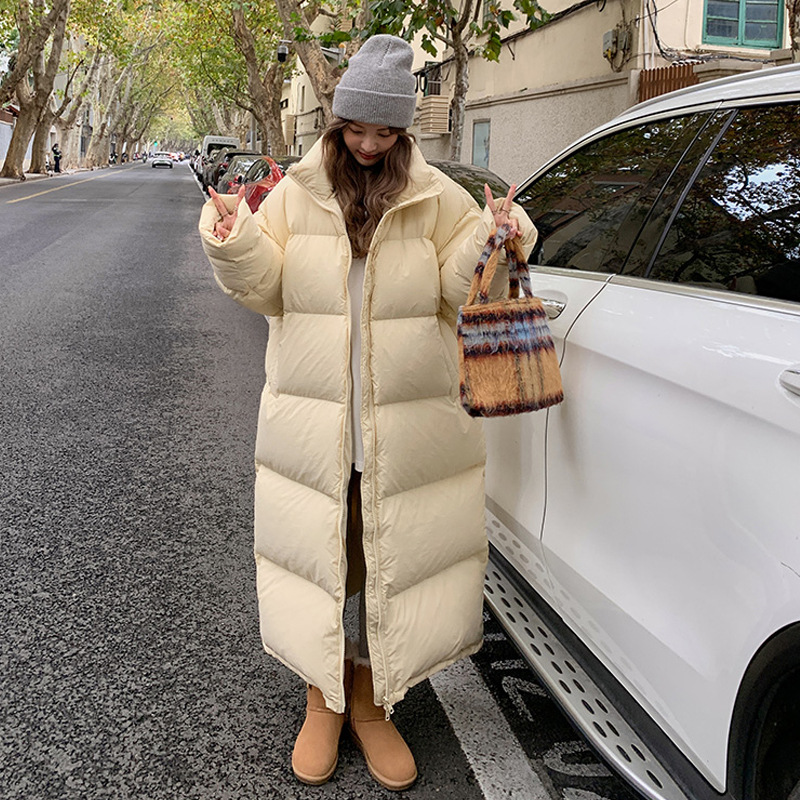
(130, 665)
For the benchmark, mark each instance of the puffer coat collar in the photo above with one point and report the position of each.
(310, 173)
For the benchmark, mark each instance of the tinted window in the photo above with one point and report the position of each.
(585, 207)
(656, 206)
(739, 226)
(258, 170)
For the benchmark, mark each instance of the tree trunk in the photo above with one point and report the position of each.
(69, 139)
(41, 143)
(69, 119)
(323, 76)
(265, 93)
(33, 103)
(273, 126)
(18, 146)
(793, 7)
(31, 45)
(97, 150)
(459, 102)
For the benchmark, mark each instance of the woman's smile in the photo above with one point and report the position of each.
(368, 143)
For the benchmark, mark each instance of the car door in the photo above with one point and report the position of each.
(588, 207)
(673, 466)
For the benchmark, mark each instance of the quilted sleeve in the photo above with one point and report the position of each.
(248, 264)
(469, 228)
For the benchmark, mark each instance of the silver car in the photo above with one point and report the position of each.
(161, 160)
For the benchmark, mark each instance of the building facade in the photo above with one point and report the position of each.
(556, 83)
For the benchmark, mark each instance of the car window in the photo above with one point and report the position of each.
(257, 171)
(583, 206)
(240, 163)
(739, 226)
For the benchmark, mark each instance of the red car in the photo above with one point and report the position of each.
(263, 177)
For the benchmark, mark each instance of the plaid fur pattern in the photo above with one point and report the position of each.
(507, 360)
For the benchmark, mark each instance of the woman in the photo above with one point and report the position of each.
(361, 257)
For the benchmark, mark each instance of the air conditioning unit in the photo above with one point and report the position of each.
(434, 114)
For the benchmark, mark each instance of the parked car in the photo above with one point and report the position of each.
(473, 178)
(230, 180)
(161, 160)
(220, 163)
(645, 534)
(212, 142)
(263, 176)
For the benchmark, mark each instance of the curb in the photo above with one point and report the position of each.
(29, 176)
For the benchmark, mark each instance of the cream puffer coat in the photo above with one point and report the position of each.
(422, 487)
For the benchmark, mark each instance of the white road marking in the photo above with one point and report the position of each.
(501, 767)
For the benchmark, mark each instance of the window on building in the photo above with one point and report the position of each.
(432, 78)
(302, 98)
(750, 23)
(481, 133)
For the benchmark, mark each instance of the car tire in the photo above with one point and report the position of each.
(776, 766)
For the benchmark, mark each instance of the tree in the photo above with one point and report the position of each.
(34, 98)
(49, 115)
(347, 20)
(458, 28)
(68, 117)
(212, 69)
(35, 26)
(265, 92)
(793, 7)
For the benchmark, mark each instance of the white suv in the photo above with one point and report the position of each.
(646, 533)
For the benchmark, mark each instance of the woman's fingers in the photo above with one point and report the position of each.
(508, 202)
(219, 205)
(489, 198)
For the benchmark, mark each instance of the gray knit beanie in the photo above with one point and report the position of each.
(378, 87)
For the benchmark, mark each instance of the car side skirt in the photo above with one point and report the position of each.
(623, 734)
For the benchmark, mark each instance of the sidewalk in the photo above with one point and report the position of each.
(29, 176)
(35, 176)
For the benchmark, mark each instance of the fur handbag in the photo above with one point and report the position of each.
(507, 360)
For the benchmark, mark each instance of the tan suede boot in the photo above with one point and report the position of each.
(388, 758)
(316, 751)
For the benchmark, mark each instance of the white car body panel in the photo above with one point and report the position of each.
(663, 524)
(515, 469)
(688, 404)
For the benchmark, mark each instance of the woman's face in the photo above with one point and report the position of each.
(368, 143)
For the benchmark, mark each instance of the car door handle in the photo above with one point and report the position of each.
(552, 308)
(790, 380)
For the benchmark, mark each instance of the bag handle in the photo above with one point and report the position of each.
(518, 273)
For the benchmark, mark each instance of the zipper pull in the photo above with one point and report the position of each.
(388, 708)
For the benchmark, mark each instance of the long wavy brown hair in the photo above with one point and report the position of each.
(364, 193)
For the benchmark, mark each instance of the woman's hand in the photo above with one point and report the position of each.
(500, 213)
(224, 226)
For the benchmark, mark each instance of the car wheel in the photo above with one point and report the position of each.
(776, 761)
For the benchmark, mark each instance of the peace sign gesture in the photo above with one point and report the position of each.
(224, 226)
(501, 214)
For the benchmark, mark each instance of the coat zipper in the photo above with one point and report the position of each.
(388, 707)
